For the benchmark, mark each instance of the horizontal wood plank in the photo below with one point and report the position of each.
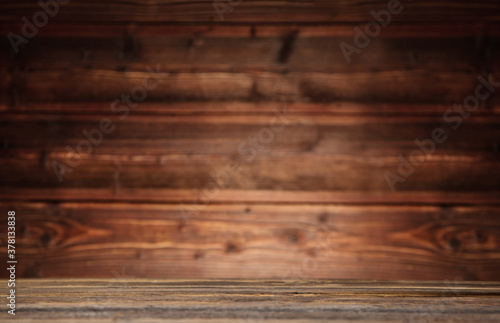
(158, 195)
(413, 86)
(123, 30)
(182, 153)
(235, 108)
(203, 301)
(256, 240)
(257, 11)
(203, 52)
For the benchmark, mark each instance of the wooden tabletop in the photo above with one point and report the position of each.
(253, 301)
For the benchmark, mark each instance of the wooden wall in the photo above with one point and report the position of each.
(260, 151)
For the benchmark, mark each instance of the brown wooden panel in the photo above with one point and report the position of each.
(233, 108)
(316, 193)
(283, 174)
(412, 86)
(157, 136)
(202, 53)
(124, 30)
(187, 196)
(335, 154)
(273, 301)
(241, 240)
(257, 11)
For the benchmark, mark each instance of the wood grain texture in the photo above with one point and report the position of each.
(239, 108)
(169, 153)
(247, 50)
(248, 64)
(202, 301)
(123, 30)
(314, 194)
(257, 11)
(415, 86)
(296, 241)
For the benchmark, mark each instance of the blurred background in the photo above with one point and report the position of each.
(251, 139)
